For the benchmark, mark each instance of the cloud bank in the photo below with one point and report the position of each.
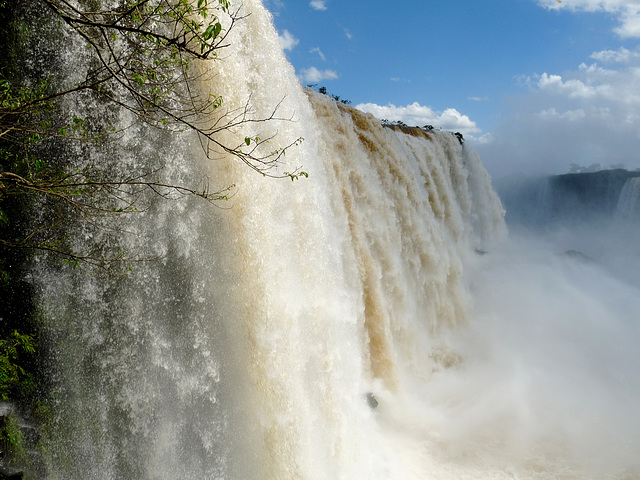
(627, 12)
(313, 75)
(419, 115)
(586, 116)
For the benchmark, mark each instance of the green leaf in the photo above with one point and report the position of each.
(138, 78)
(247, 140)
(212, 31)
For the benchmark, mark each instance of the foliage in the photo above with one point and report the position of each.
(12, 440)
(397, 123)
(12, 374)
(296, 176)
(323, 90)
(424, 128)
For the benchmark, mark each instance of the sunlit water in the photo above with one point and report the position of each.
(254, 347)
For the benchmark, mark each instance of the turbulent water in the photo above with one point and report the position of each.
(368, 322)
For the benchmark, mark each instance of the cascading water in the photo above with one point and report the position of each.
(628, 207)
(255, 347)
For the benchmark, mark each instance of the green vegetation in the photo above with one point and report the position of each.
(12, 441)
(12, 374)
(425, 128)
(17, 382)
(323, 91)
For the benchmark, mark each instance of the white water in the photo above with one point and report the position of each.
(248, 352)
(628, 207)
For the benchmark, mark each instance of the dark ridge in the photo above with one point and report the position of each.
(570, 198)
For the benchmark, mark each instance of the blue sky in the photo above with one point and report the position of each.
(534, 85)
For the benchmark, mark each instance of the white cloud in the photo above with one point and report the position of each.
(484, 139)
(596, 84)
(318, 4)
(319, 52)
(626, 11)
(569, 115)
(621, 55)
(287, 40)
(572, 88)
(348, 34)
(419, 115)
(274, 4)
(479, 99)
(313, 75)
(585, 116)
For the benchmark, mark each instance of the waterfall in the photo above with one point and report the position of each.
(347, 325)
(628, 207)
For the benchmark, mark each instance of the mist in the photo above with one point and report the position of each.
(552, 355)
(550, 372)
(553, 360)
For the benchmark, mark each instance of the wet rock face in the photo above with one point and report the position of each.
(6, 410)
(30, 459)
(572, 197)
(7, 473)
(589, 193)
(371, 401)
